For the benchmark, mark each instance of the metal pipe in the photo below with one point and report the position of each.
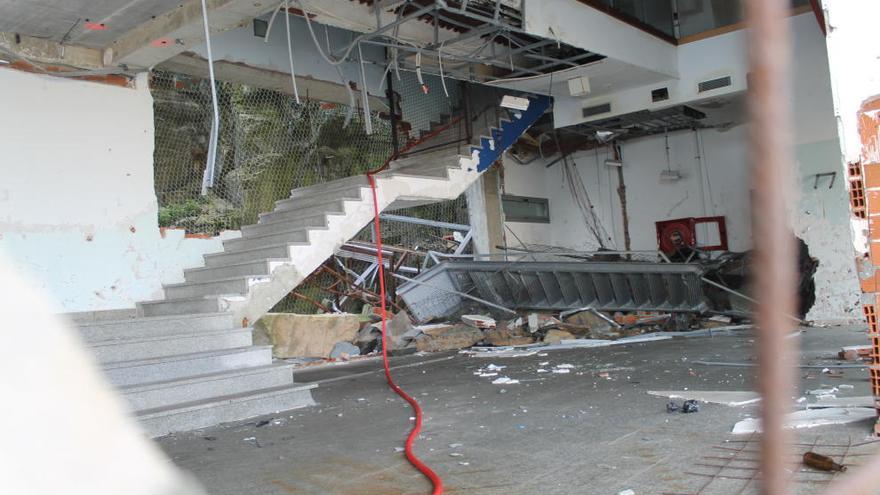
(770, 157)
(421, 221)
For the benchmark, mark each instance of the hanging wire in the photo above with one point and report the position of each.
(290, 51)
(364, 94)
(283, 5)
(440, 62)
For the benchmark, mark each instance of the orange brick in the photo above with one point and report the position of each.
(871, 174)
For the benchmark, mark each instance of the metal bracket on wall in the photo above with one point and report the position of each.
(833, 176)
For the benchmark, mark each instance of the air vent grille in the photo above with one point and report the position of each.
(711, 84)
(661, 94)
(597, 110)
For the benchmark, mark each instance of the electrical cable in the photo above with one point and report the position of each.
(208, 178)
(440, 62)
(419, 72)
(283, 5)
(345, 54)
(289, 50)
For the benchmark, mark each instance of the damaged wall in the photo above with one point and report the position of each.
(77, 207)
(714, 181)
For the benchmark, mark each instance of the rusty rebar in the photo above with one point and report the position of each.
(770, 158)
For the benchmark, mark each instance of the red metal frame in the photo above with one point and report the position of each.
(688, 229)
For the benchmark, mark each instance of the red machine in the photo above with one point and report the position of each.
(673, 236)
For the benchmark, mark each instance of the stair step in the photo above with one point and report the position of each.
(321, 189)
(432, 155)
(154, 326)
(449, 163)
(180, 306)
(116, 350)
(344, 193)
(329, 206)
(311, 221)
(195, 388)
(282, 237)
(244, 269)
(256, 254)
(165, 368)
(440, 173)
(235, 285)
(208, 412)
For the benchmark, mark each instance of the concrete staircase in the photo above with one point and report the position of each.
(190, 371)
(188, 361)
(272, 257)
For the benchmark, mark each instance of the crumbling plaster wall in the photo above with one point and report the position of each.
(716, 183)
(77, 207)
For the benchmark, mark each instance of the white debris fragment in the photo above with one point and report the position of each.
(846, 386)
(561, 370)
(484, 375)
(544, 363)
(462, 463)
(455, 445)
(495, 367)
(811, 418)
(823, 392)
(542, 370)
(504, 381)
(728, 398)
(832, 401)
(564, 366)
(626, 492)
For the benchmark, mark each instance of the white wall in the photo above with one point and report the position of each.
(717, 183)
(77, 206)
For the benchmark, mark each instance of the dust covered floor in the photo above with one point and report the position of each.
(552, 433)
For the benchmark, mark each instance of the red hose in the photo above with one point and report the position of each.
(414, 433)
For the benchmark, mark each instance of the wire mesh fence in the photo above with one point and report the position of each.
(268, 144)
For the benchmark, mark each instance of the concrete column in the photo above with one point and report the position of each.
(484, 212)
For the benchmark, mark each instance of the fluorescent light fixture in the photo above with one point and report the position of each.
(515, 102)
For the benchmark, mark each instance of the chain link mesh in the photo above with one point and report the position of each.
(268, 144)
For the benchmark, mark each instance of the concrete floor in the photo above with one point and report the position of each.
(550, 434)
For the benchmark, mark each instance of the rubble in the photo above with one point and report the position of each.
(295, 335)
(344, 351)
(447, 337)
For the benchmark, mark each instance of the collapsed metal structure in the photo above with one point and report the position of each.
(541, 285)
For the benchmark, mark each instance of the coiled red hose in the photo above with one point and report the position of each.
(414, 433)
